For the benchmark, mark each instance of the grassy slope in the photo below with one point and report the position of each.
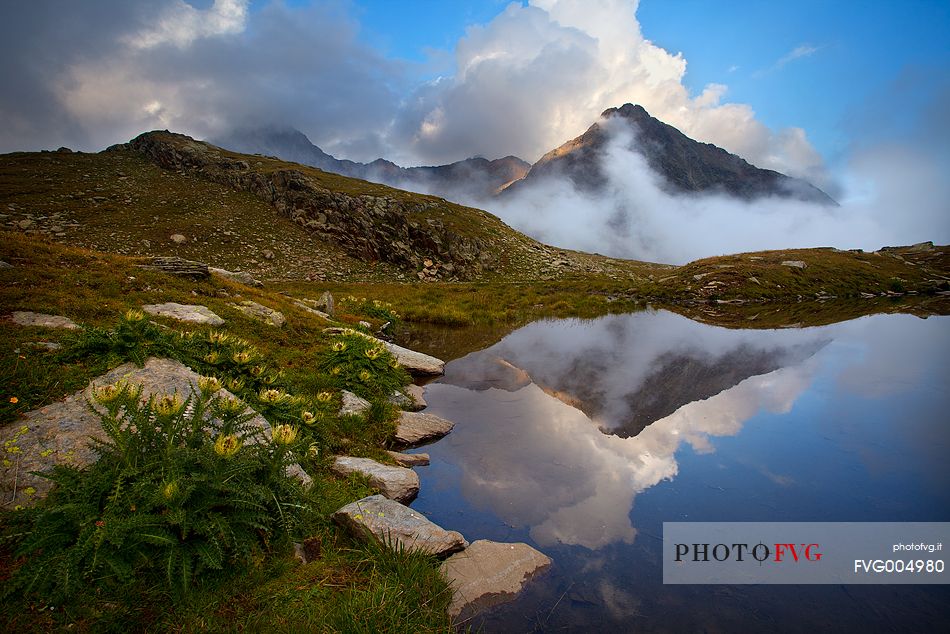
(352, 586)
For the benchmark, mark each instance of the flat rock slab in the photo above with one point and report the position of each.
(410, 459)
(396, 483)
(396, 525)
(416, 363)
(416, 428)
(26, 318)
(353, 405)
(488, 573)
(237, 276)
(60, 433)
(312, 311)
(798, 264)
(261, 313)
(194, 313)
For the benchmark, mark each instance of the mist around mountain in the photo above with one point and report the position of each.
(684, 165)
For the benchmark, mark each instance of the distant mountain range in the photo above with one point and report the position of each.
(472, 179)
(686, 165)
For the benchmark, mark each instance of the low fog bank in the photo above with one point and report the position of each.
(891, 195)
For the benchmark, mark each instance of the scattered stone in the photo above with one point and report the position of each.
(310, 550)
(237, 276)
(365, 324)
(412, 400)
(5, 265)
(396, 483)
(261, 313)
(398, 526)
(488, 573)
(325, 303)
(179, 267)
(45, 345)
(296, 471)
(353, 404)
(312, 311)
(194, 313)
(416, 428)
(177, 238)
(798, 264)
(410, 459)
(27, 318)
(268, 254)
(25, 224)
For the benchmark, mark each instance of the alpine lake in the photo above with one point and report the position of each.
(582, 437)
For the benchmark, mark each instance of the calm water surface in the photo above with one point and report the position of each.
(582, 437)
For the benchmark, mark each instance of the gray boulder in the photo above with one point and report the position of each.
(396, 483)
(184, 312)
(415, 428)
(26, 318)
(376, 517)
(797, 264)
(488, 573)
(261, 313)
(237, 276)
(353, 404)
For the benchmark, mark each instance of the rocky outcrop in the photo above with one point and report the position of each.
(376, 517)
(194, 313)
(389, 228)
(179, 267)
(416, 428)
(261, 313)
(237, 276)
(60, 433)
(27, 318)
(396, 483)
(488, 573)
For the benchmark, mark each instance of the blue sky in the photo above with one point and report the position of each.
(862, 51)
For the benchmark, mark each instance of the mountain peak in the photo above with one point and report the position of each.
(686, 165)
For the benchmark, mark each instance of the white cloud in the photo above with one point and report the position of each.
(800, 51)
(538, 75)
(181, 24)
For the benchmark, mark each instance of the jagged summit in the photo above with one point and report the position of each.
(686, 165)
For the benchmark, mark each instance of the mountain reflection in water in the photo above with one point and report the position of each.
(563, 425)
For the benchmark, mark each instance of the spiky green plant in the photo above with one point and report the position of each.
(363, 366)
(181, 487)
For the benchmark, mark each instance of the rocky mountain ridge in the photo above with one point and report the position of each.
(686, 166)
(472, 178)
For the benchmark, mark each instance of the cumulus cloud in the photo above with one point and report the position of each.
(538, 75)
(115, 69)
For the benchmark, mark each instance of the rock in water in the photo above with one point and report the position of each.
(396, 525)
(396, 483)
(261, 313)
(488, 573)
(26, 318)
(194, 313)
(416, 363)
(410, 459)
(415, 428)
